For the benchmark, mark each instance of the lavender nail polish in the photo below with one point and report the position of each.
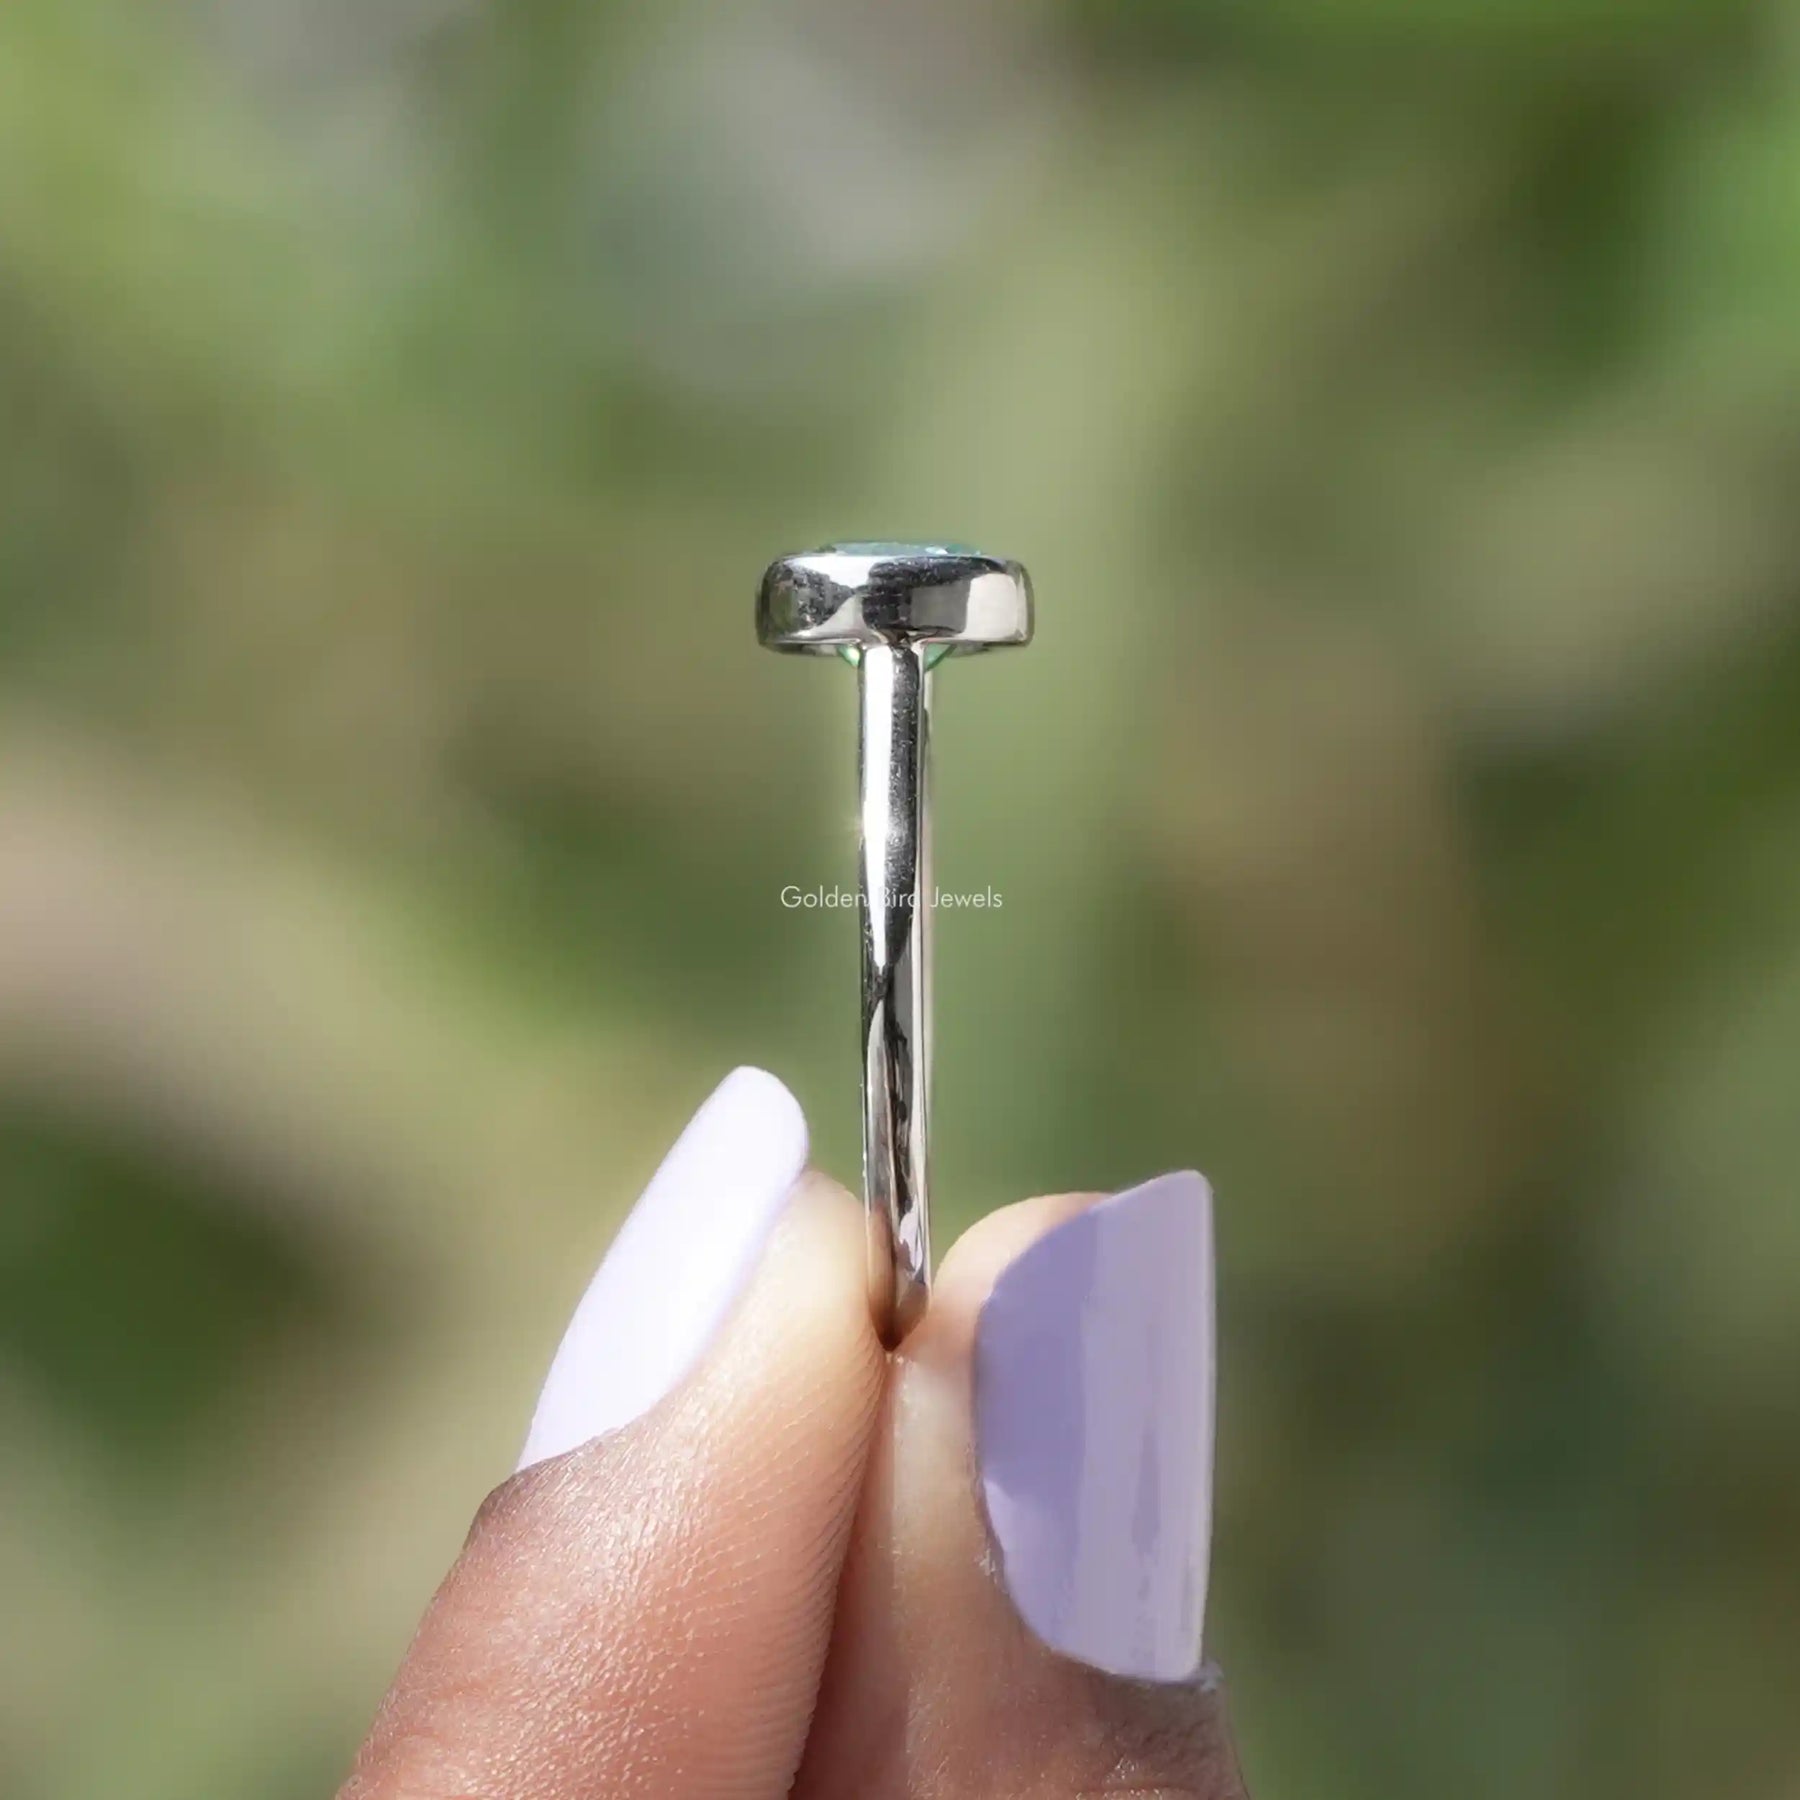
(677, 1265)
(1094, 1429)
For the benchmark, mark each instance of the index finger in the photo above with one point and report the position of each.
(647, 1613)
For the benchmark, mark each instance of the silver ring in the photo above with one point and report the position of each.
(895, 611)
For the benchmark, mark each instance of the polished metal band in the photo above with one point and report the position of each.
(896, 976)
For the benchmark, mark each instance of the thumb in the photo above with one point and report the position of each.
(1022, 1607)
(646, 1611)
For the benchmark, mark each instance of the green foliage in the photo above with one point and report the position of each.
(1398, 817)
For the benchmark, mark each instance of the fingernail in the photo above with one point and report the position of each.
(676, 1266)
(1094, 1429)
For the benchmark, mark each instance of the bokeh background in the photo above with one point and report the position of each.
(1399, 815)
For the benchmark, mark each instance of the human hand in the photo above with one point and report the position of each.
(750, 1555)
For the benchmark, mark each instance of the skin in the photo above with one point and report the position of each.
(777, 1582)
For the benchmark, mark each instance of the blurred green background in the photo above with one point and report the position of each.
(1399, 814)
